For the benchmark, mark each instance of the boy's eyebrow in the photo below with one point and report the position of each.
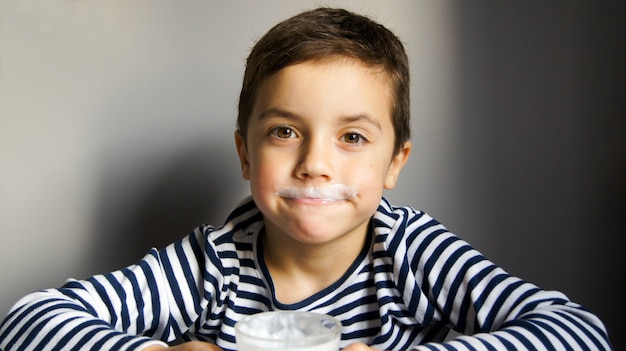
(276, 112)
(363, 117)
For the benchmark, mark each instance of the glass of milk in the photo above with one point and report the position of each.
(288, 331)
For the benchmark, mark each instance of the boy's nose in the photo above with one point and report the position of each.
(315, 161)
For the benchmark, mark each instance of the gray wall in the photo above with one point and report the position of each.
(540, 145)
(116, 123)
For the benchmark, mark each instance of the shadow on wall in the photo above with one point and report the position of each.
(542, 148)
(195, 187)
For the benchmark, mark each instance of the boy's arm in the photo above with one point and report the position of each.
(493, 309)
(156, 299)
(526, 319)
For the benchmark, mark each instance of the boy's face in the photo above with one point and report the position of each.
(316, 125)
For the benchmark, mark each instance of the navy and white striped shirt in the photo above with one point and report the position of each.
(412, 284)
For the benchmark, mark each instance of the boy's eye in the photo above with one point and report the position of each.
(283, 132)
(353, 138)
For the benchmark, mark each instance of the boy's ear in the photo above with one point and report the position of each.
(397, 162)
(242, 151)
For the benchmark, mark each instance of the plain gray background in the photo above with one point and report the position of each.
(116, 122)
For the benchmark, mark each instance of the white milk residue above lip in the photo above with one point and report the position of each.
(331, 192)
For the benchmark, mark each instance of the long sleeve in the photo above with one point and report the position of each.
(446, 281)
(155, 299)
(415, 282)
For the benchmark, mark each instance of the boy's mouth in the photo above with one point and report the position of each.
(334, 192)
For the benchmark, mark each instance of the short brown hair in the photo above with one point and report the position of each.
(320, 34)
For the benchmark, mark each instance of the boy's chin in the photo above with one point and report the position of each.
(314, 230)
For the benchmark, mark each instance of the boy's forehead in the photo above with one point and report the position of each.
(302, 74)
(339, 62)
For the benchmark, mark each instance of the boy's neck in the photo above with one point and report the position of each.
(300, 270)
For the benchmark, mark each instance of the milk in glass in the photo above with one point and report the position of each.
(288, 331)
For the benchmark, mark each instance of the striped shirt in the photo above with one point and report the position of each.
(407, 288)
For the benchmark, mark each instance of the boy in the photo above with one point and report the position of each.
(323, 128)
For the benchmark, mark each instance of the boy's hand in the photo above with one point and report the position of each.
(358, 347)
(188, 346)
(204, 346)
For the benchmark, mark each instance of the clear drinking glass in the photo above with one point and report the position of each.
(288, 331)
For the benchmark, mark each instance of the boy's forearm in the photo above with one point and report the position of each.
(543, 321)
(54, 320)
(80, 314)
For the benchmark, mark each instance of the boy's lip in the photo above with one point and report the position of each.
(313, 200)
(318, 195)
